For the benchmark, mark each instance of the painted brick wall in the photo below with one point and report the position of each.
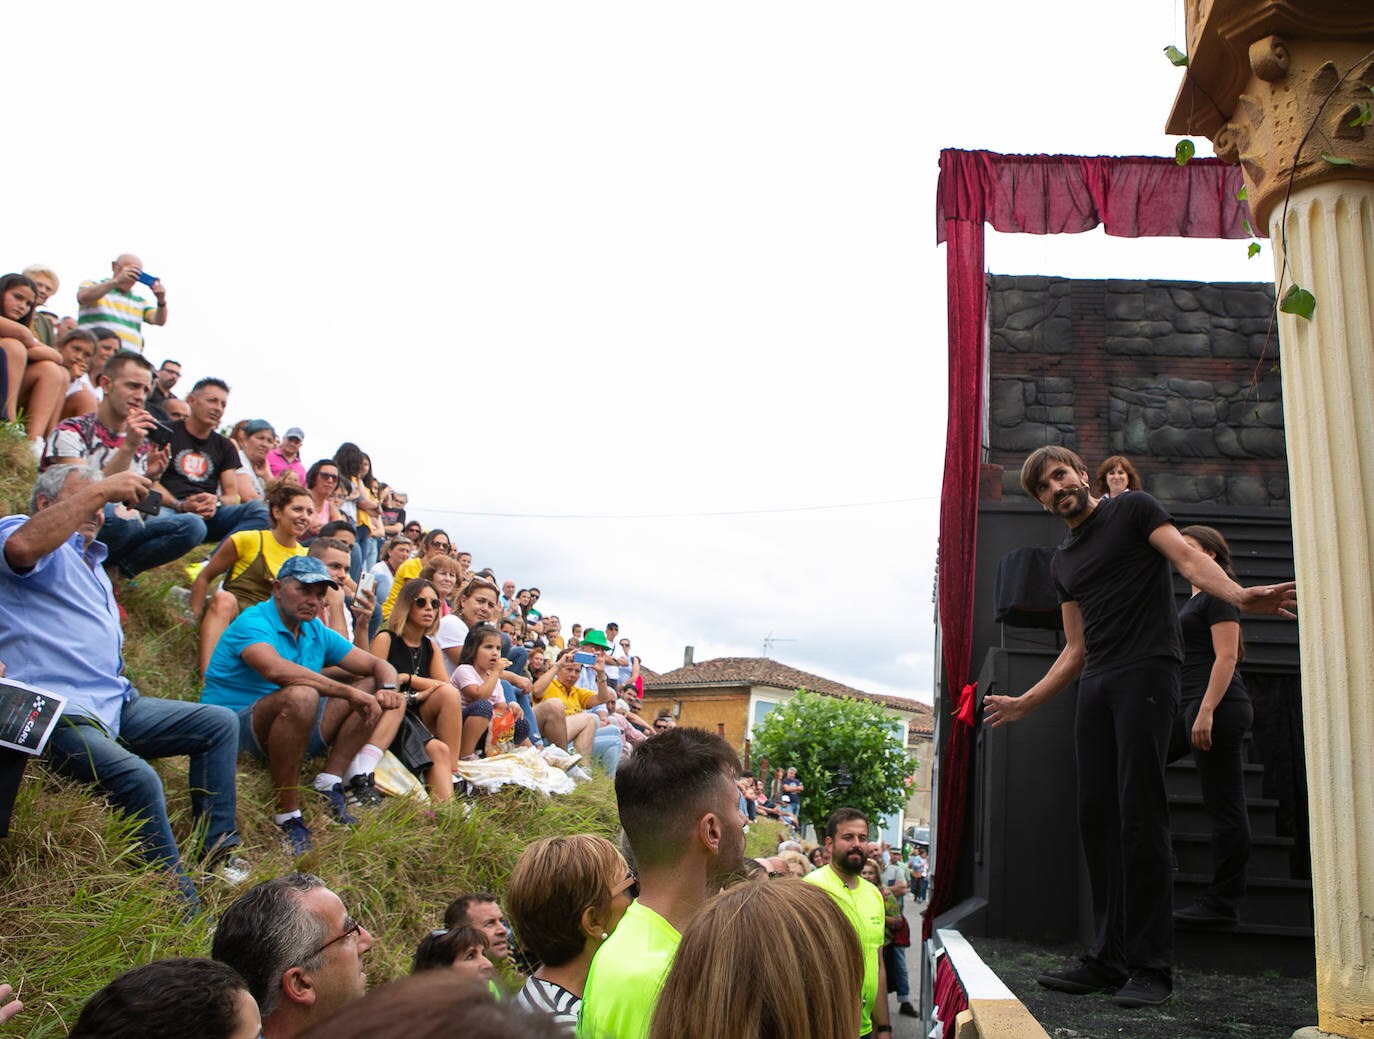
(1181, 377)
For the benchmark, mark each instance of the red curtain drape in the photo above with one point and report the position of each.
(948, 994)
(1131, 197)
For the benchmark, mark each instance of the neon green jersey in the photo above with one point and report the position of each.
(863, 905)
(626, 975)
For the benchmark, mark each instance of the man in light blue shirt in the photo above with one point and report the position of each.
(268, 668)
(60, 631)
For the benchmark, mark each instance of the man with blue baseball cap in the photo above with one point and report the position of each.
(268, 667)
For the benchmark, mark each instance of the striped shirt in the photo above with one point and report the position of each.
(120, 312)
(545, 997)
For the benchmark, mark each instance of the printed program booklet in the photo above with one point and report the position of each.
(27, 716)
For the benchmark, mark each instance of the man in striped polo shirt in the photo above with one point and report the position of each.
(113, 304)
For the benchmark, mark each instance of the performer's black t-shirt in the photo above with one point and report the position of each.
(1196, 618)
(1122, 585)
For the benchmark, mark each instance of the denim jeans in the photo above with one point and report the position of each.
(606, 746)
(894, 959)
(150, 727)
(355, 561)
(142, 543)
(230, 519)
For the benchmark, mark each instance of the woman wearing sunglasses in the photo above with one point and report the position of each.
(565, 897)
(406, 644)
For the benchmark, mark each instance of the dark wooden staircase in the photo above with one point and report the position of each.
(1275, 928)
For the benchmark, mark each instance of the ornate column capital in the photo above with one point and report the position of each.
(1276, 85)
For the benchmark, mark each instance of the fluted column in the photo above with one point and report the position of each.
(1328, 397)
(1282, 87)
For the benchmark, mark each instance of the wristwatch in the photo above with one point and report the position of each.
(389, 685)
(882, 1028)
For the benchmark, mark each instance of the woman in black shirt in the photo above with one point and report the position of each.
(1214, 715)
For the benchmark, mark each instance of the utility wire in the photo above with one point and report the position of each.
(674, 515)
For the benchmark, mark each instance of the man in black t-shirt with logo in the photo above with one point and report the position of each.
(200, 477)
(1122, 644)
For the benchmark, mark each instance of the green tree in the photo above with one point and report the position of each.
(847, 753)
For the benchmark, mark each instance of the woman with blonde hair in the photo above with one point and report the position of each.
(564, 899)
(407, 644)
(720, 988)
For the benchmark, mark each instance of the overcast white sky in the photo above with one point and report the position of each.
(594, 259)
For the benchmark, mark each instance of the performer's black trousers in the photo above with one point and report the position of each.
(1125, 718)
(1221, 775)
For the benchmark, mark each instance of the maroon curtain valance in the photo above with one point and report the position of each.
(1131, 197)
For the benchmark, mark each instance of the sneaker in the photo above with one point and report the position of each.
(1203, 914)
(580, 774)
(233, 870)
(1078, 979)
(338, 804)
(907, 1010)
(362, 791)
(1146, 988)
(296, 835)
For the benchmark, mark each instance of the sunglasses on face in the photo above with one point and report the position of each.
(441, 546)
(432, 604)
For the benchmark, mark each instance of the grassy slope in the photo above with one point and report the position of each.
(76, 906)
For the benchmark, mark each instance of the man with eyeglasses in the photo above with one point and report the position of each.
(293, 941)
(201, 477)
(269, 668)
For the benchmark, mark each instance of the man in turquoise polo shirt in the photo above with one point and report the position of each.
(846, 839)
(268, 668)
(680, 812)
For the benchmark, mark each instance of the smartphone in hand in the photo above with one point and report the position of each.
(160, 435)
(366, 583)
(147, 279)
(585, 658)
(151, 505)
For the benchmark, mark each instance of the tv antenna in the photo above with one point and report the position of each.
(769, 640)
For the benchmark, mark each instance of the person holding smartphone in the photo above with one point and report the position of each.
(119, 437)
(112, 302)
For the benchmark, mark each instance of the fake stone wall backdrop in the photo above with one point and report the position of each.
(1174, 375)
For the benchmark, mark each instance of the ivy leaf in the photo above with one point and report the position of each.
(1175, 56)
(1338, 160)
(1297, 300)
(1242, 194)
(1253, 251)
(1363, 118)
(1185, 150)
(1245, 225)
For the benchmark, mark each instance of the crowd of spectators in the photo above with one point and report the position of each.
(332, 625)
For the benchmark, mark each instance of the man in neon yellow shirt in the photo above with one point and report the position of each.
(680, 812)
(846, 839)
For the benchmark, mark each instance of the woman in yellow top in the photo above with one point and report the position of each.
(251, 558)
